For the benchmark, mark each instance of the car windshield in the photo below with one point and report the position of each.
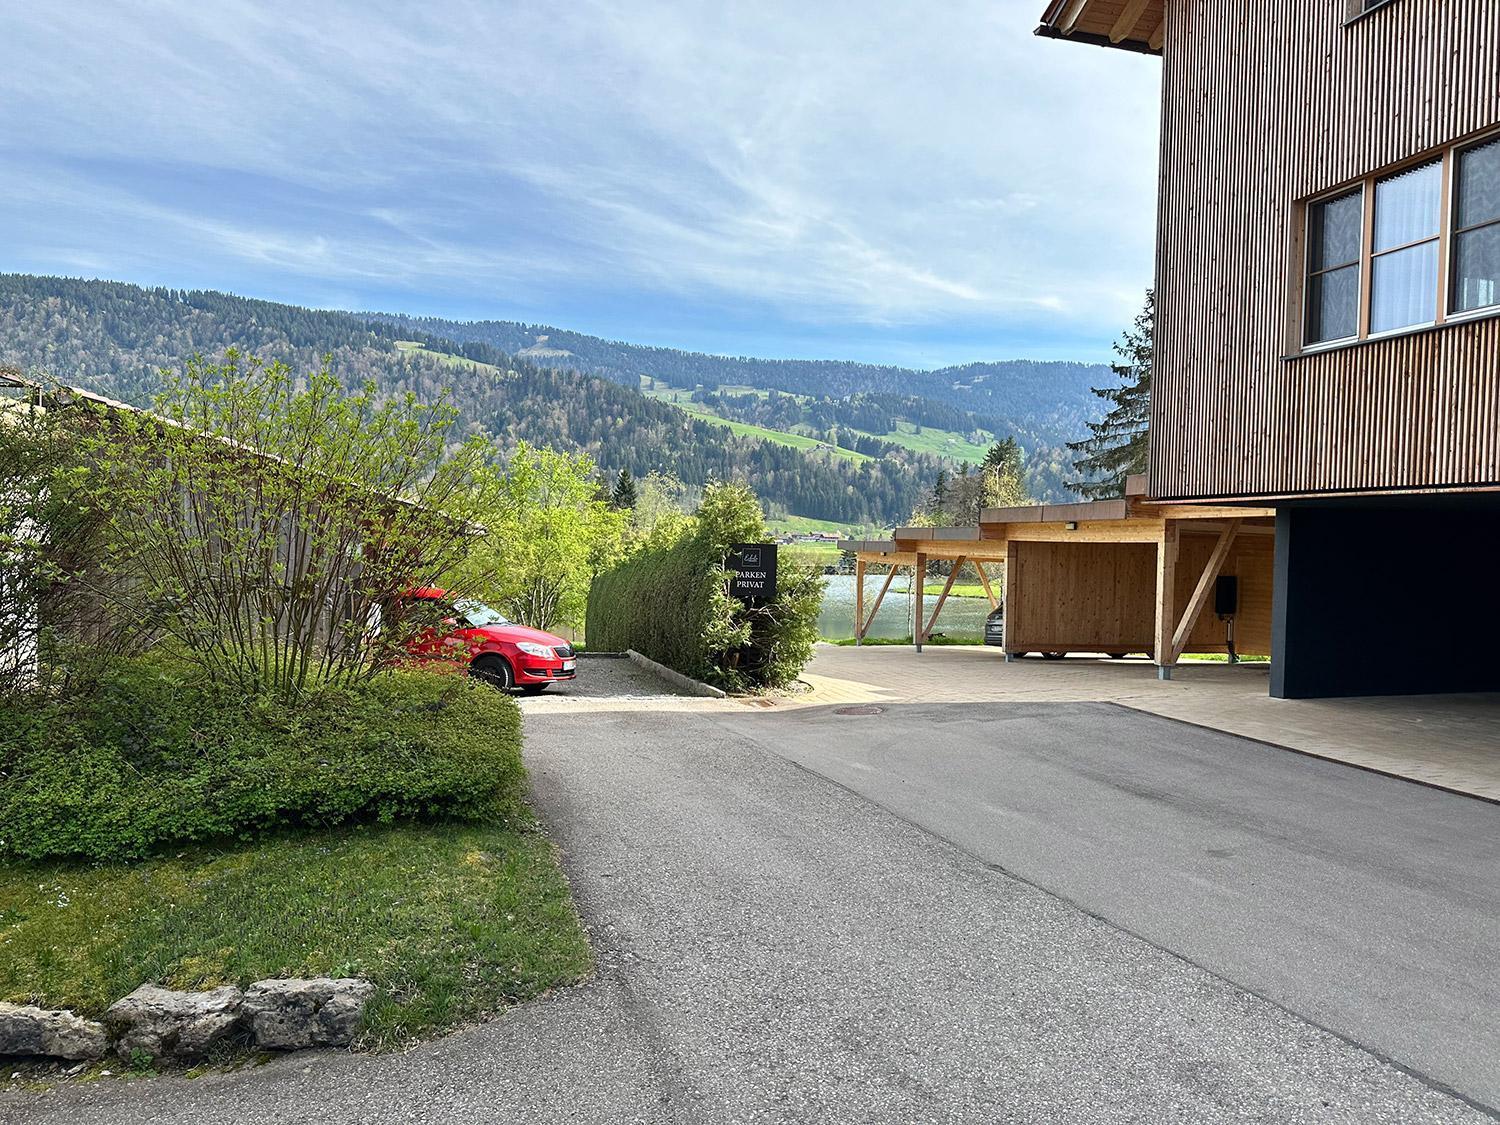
(477, 614)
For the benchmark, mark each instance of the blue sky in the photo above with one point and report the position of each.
(909, 183)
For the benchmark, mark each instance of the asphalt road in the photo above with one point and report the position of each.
(1364, 904)
(776, 947)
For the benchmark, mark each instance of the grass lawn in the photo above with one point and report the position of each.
(960, 590)
(794, 525)
(683, 401)
(450, 922)
(816, 555)
(848, 642)
(941, 443)
(1222, 658)
(447, 358)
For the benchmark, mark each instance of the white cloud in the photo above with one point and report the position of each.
(859, 163)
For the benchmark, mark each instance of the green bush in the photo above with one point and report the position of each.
(670, 601)
(155, 755)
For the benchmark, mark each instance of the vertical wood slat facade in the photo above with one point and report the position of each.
(1265, 104)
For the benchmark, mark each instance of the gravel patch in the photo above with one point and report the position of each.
(603, 676)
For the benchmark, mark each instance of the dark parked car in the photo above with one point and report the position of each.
(994, 626)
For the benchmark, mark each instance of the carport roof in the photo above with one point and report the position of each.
(934, 542)
(1132, 518)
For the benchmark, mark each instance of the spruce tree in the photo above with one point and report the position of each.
(623, 496)
(1004, 471)
(937, 504)
(1117, 444)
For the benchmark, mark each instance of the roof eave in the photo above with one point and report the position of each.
(1139, 46)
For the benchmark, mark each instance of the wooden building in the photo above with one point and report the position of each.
(1328, 314)
(1112, 576)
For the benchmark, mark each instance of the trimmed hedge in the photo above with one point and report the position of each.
(670, 601)
(154, 756)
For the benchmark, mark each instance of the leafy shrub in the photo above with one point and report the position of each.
(547, 531)
(157, 755)
(43, 537)
(670, 601)
(257, 520)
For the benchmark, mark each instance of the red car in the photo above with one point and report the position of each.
(496, 650)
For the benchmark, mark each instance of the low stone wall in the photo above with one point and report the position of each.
(281, 1015)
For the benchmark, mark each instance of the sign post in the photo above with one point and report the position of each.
(752, 568)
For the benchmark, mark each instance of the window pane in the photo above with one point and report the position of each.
(1408, 207)
(1476, 275)
(1333, 305)
(1404, 288)
(1333, 230)
(1479, 184)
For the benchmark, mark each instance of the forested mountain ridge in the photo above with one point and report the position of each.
(1041, 403)
(114, 338)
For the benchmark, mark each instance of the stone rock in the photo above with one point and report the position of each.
(25, 1030)
(317, 1012)
(162, 1022)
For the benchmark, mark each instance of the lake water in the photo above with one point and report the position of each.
(961, 617)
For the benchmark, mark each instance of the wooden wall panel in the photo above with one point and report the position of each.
(1081, 597)
(1251, 559)
(1101, 597)
(1265, 103)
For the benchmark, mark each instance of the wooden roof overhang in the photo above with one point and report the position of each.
(893, 552)
(906, 543)
(1132, 519)
(1130, 25)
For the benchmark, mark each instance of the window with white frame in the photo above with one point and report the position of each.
(1405, 250)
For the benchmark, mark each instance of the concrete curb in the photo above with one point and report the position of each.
(676, 678)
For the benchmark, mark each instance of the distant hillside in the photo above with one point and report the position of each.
(1041, 403)
(115, 338)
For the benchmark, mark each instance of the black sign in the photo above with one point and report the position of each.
(752, 569)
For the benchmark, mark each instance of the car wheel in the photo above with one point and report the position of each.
(1053, 655)
(533, 689)
(493, 670)
(1117, 656)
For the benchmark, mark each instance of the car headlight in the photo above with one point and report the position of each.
(533, 649)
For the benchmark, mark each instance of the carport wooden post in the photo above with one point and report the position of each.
(859, 601)
(985, 580)
(890, 573)
(1205, 583)
(1008, 600)
(1166, 583)
(919, 578)
(943, 597)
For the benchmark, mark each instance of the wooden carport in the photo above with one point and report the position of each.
(1115, 576)
(957, 545)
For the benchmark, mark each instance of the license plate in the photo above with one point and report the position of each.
(569, 665)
